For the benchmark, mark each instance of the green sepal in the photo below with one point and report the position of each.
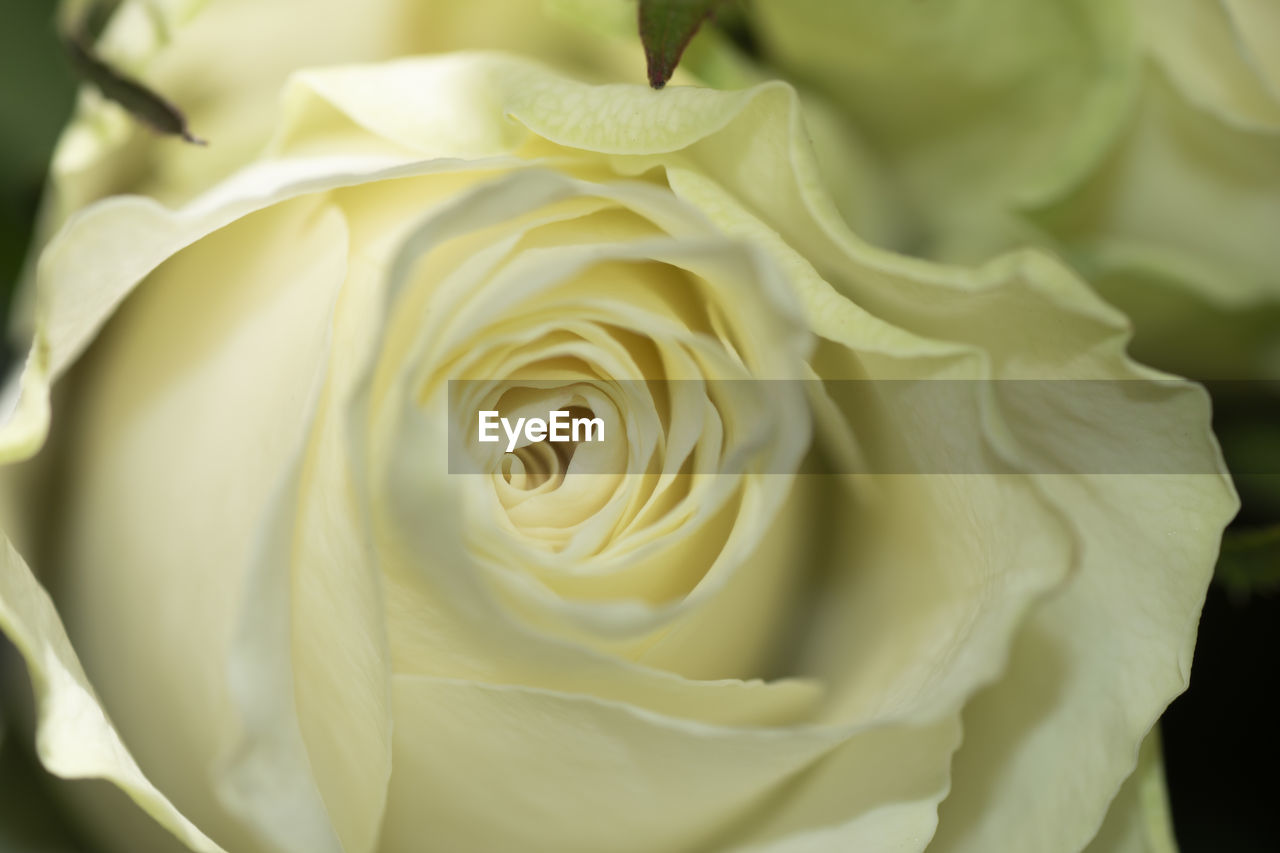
(666, 27)
(142, 103)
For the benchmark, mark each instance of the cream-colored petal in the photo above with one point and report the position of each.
(507, 768)
(340, 648)
(94, 262)
(74, 737)
(266, 777)
(1138, 820)
(311, 657)
(823, 813)
(163, 414)
(1093, 668)
(418, 104)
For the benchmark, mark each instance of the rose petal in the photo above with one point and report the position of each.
(823, 813)
(1138, 820)
(575, 773)
(1093, 669)
(252, 300)
(74, 738)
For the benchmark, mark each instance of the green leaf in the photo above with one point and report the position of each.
(666, 27)
(144, 105)
(1250, 561)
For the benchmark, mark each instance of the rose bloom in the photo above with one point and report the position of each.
(1140, 139)
(280, 624)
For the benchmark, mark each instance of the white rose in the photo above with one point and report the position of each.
(1137, 138)
(303, 634)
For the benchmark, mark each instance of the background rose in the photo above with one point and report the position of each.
(909, 337)
(1140, 139)
(171, 44)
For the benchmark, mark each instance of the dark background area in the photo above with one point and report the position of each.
(1221, 739)
(36, 90)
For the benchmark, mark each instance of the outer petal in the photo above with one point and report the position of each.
(1049, 744)
(572, 773)
(1138, 820)
(609, 776)
(170, 375)
(74, 738)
